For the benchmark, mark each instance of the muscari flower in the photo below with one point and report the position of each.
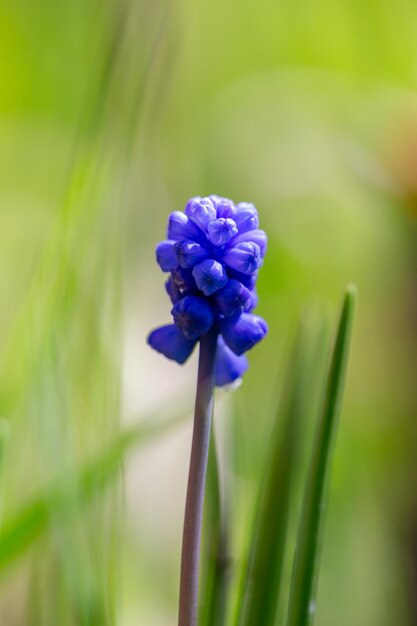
(213, 252)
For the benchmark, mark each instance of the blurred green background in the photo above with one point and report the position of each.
(112, 114)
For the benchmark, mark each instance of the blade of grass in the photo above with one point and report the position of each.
(34, 613)
(302, 604)
(4, 434)
(215, 548)
(260, 592)
(32, 520)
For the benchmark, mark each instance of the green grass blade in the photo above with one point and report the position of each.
(4, 434)
(302, 603)
(260, 592)
(33, 519)
(214, 574)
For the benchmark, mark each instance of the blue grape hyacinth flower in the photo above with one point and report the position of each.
(213, 252)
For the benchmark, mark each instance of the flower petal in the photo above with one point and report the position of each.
(229, 367)
(221, 231)
(255, 236)
(244, 257)
(243, 333)
(201, 212)
(246, 217)
(169, 341)
(232, 299)
(166, 256)
(181, 227)
(224, 207)
(210, 276)
(193, 316)
(190, 253)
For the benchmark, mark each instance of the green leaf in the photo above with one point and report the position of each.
(260, 594)
(302, 603)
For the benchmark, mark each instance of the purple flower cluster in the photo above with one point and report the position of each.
(213, 252)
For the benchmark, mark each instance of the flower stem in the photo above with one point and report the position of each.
(196, 481)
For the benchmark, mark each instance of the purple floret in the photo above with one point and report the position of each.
(210, 276)
(233, 299)
(193, 316)
(229, 367)
(243, 333)
(222, 230)
(169, 341)
(244, 258)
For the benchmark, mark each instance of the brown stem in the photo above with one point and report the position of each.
(190, 559)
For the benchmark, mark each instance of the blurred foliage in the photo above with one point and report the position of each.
(112, 114)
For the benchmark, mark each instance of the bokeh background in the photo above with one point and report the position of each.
(112, 114)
